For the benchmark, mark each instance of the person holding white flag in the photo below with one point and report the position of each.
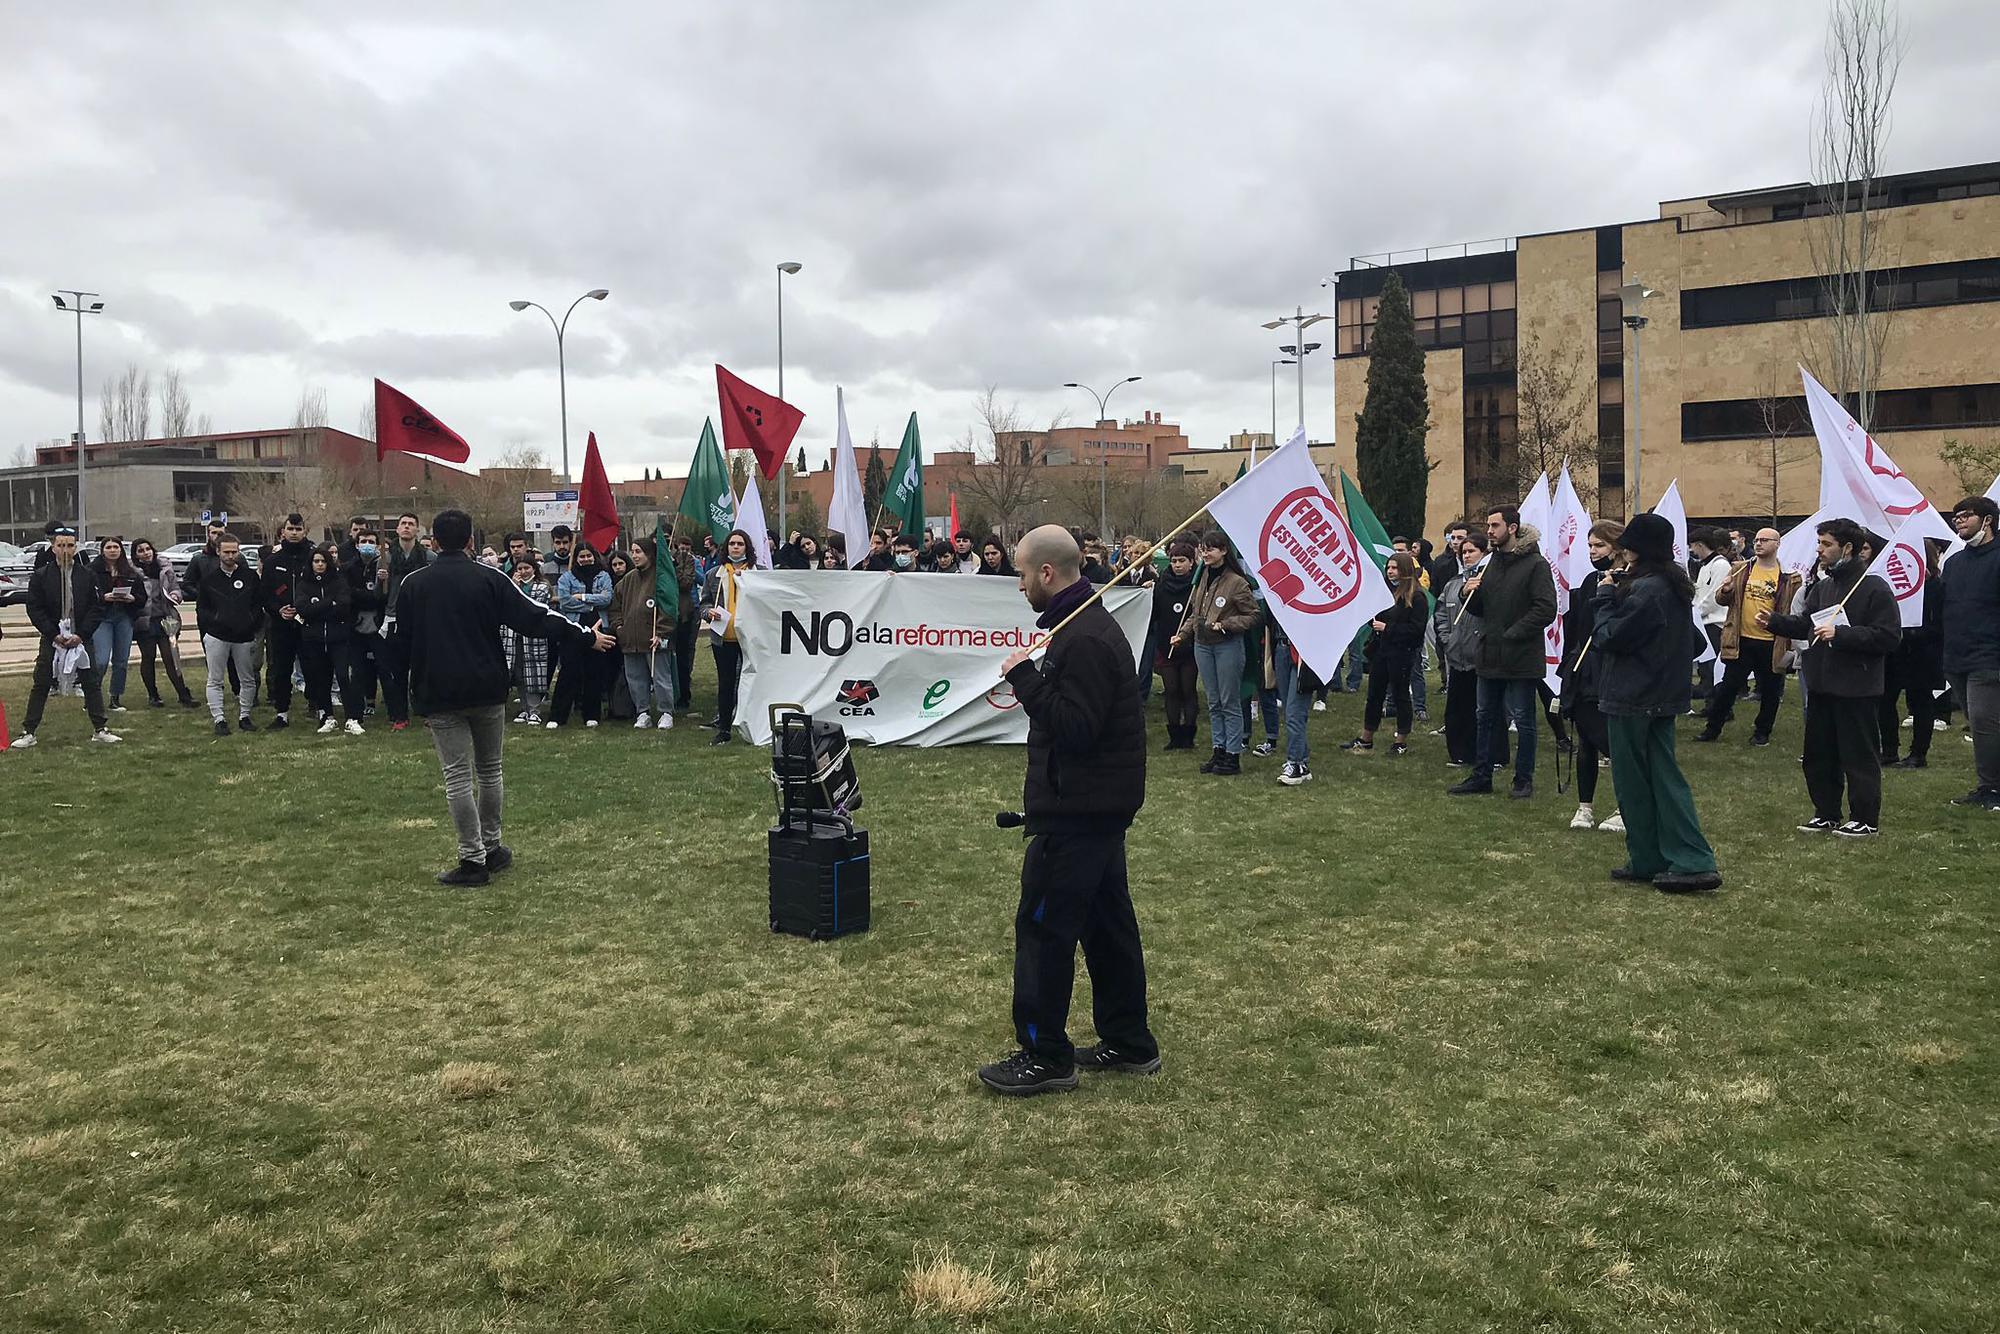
(847, 512)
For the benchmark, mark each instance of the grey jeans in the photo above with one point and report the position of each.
(468, 747)
(1979, 692)
(220, 653)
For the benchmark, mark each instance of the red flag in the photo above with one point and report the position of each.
(403, 427)
(4, 740)
(596, 507)
(954, 516)
(756, 421)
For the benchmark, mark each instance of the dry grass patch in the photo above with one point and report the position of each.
(1933, 1055)
(943, 1286)
(464, 1080)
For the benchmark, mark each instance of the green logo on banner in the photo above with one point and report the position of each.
(938, 690)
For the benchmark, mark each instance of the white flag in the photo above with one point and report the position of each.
(1316, 580)
(1674, 512)
(1992, 492)
(750, 518)
(1537, 513)
(1798, 550)
(1535, 510)
(1571, 556)
(1857, 478)
(848, 512)
(1903, 563)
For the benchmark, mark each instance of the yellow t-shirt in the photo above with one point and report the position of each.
(1760, 593)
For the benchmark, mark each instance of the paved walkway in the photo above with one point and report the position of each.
(17, 650)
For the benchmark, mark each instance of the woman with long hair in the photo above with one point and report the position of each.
(325, 604)
(1392, 650)
(1647, 637)
(121, 592)
(528, 655)
(583, 591)
(1581, 667)
(158, 625)
(1219, 610)
(619, 565)
(1175, 661)
(718, 609)
(993, 559)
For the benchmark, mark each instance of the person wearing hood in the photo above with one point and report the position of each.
(1645, 636)
(1174, 661)
(1515, 599)
(718, 610)
(159, 625)
(1849, 626)
(1582, 670)
(280, 568)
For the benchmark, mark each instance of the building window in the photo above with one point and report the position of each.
(1445, 317)
(1959, 283)
(1895, 410)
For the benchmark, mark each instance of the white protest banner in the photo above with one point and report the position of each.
(1315, 578)
(1904, 564)
(905, 659)
(1674, 512)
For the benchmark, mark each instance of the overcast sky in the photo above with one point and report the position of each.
(1011, 194)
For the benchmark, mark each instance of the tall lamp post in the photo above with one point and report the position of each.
(1283, 361)
(79, 304)
(1103, 457)
(561, 326)
(1301, 321)
(1633, 295)
(789, 266)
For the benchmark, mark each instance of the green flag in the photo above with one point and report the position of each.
(1368, 529)
(666, 588)
(904, 495)
(707, 499)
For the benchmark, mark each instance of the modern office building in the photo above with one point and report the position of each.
(1738, 305)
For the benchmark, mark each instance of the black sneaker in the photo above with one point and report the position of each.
(156, 703)
(1229, 765)
(1979, 796)
(1399, 748)
(1625, 875)
(1357, 744)
(1819, 824)
(1911, 762)
(1856, 829)
(244, 724)
(1708, 734)
(1471, 787)
(1521, 791)
(498, 858)
(278, 724)
(466, 875)
(1694, 882)
(1107, 1059)
(1214, 759)
(221, 728)
(1024, 1074)
(1264, 748)
(719, 739)
(1760, 738)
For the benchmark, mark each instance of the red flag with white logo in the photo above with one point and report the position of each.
(402, 426)
(762, 423)
(1317, 581)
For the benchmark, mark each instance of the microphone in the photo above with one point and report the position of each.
(1009, 819)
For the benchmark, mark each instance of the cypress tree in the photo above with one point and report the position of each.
(874, 481)
(1389, 434)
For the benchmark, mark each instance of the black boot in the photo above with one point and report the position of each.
(1229, 764)
(1215, 759)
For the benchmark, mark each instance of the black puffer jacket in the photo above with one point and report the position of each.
(1851, 666)
(1086, 730)
(1969, 609)
(1644, 637)
(1394, 649)
(325, 606)
(1580, 674)
(229, 603)
(1516, 601)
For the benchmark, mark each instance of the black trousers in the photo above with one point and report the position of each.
(362, 668)
(1593, 739)
(326, 668)
(1461, 715)
(1178, 682)
(45, 679)
(281, 654)
(155, 647)
(1753, 657)
(392, 660)
(1393, 683)
(684, 633)
(1074, 892)
(579, 682)
(1923, 712)
(1844, 750)
(728, 668)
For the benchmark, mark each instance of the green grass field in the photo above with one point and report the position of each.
(1426, 1068)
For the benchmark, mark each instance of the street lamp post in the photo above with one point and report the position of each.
(1633, 297)
(1103, 456)
(789, 266)
(562, 374)
(1301, 321)
(80, 304)
(1283, 361)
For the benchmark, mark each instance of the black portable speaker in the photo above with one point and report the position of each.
(819, 876)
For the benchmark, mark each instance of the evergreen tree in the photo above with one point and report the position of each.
(806, 517)
(874, 481)
(1389, 434)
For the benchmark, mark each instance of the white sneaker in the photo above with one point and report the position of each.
(118, 708)
(25, 741)
(1319, 706)
(591, 723)
(1614, 825)
(534, 720)
(353, 727)
(329, 727)
(105, 736)
(1909, 722)
(550, 726)
(643, 720)
(666, 723)
(1583, 819)
(524, 717)
(1937, 724)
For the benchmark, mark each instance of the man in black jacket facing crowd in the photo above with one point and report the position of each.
(1086, 780)
(280, 567)
(448, 619)
(63, 606)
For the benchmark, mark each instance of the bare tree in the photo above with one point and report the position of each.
(1007, 479)
(23, 456)
(311, 409)
(176, 410)
(264, 499)
(125, 409)
(493, 496)
(1556, 417)
(1864, 53)
(1781, 416)
(367, 419)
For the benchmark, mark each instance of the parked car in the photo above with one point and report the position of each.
(179, 554)
(13, 587)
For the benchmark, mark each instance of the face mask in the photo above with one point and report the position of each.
(367, 548)
(744, 559)
(1600, 564)
(904, 560)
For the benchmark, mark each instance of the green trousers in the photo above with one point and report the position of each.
(1662, 833)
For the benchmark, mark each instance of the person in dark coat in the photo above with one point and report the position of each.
(448, 618)
(229, 604)
(1515, 599)
(324, 601)
(1644, 631)
(1915, 671)
(1398, 639)
(1086, 781)
(1174, 662)
(279, 568)
(1849, 628)
(1969, 611)
(64, 608)
(1581, 672)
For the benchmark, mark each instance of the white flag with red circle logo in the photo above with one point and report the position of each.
(1857, 478)
(1297, 544)
(1903, 566)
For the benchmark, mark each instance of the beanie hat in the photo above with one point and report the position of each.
(1650, 538)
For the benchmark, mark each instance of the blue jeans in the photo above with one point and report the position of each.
(1417, 680)
(111, 647)
(1499, 701)
(1221, 668)
(1355, 666)
(1289, 677)
(659, 699)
